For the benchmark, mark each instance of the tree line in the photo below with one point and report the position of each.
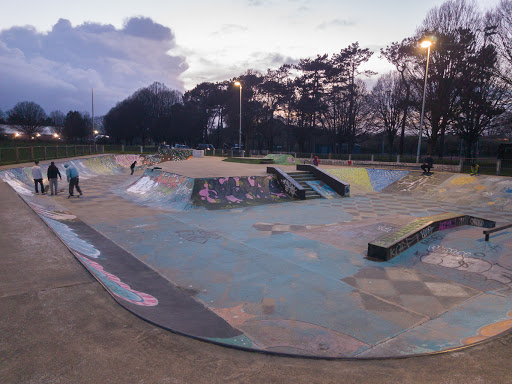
(327, 101)
(29, 118)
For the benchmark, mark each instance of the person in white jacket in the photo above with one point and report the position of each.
(37, 175)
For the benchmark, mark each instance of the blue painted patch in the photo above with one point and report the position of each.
(322, 188)
(381, 178)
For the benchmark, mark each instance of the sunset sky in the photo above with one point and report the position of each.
(54, 52)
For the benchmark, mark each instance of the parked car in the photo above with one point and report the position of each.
(181, 146)
(206, 147)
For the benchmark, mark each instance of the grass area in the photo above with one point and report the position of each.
(248, 160)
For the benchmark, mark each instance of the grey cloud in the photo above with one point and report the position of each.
(336, 23)
(146, 28)
(58, 69)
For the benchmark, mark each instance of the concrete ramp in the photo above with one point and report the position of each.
(395, 242)
(236, 192)
(159, 189)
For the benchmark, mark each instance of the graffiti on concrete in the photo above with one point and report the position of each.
(463, 261)
(72, 239)
(234, 192)
(200, 236)
(117, 287)
(289, 187)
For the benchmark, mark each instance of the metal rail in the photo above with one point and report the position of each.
(489, 231)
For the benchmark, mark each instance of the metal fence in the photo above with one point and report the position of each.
(12, 155)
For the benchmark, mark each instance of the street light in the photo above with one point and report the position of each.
(239, 84)
(424, 44)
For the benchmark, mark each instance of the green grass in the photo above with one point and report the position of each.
(247, 160)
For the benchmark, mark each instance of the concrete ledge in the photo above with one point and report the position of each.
(290, 186)
(342, 188)
(392, 244)
(383, 164)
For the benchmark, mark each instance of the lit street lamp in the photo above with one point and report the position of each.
(238, 83)
(424, 44)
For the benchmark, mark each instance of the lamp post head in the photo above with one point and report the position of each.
(96, 132)
(426, 44)
(238, 84)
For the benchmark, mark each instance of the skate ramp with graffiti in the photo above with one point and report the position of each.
(288, 278)
(172, 192)
(235, 192)
(282, 159)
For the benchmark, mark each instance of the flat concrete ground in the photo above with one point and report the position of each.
(59, 325)
(210, 166)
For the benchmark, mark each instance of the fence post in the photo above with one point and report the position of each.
(397, 158)
(350, 157)
(56, 151)
(372, 159)
(498, 167)
(122, 148)
(44, 153)
(90, 149)
(32, 153)
(17, 155)
(461, 164)
(141, 150)
(74, 150)
(66, 150)
(102, 149)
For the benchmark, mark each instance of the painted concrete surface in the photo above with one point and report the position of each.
(293, 277)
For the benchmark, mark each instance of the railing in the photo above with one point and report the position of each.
(13, 155)
(497, 229)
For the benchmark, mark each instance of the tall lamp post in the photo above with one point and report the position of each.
(424, 44)
(239, 84)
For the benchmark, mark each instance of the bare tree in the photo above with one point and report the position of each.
(28, 116)
(386, 101)
(57, 119)
(499, 30)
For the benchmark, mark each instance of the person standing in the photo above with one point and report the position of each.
(132, 167)
(72, 177)
(316, 161)
(37, 175)
(52, 174)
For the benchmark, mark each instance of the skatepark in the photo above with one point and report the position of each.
(221, 253)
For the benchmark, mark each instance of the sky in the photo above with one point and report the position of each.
(55, 52)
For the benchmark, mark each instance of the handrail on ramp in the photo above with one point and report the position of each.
(489, 231)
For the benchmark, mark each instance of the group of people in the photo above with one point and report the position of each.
(53, 175)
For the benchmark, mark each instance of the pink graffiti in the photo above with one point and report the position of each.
(222, 180)
(447, 225)
(123, 290)
(205, 194)
(251, 181)
(237, 181)
(278, 194)
(233, 199)
(249, 196)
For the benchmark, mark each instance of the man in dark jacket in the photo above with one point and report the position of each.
(428, 163)
(132, 167)
(52, 174)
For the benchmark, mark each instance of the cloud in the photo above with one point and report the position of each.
(57, 69)
(336, 23)
(230, 29)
